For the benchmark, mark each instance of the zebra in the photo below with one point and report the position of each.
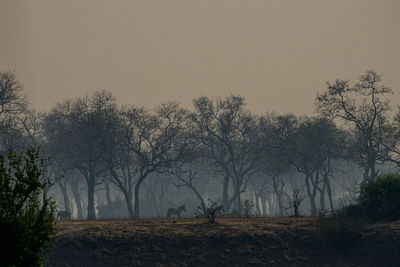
(177, 212)
(63, 215)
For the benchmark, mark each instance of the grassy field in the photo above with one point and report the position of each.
(229, 242)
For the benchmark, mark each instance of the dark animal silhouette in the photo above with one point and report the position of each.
(63, 215)
(177, 212)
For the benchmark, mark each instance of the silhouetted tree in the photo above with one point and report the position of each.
(311, 144)
(364, 107)
(152, 142)
(12, 105)
(230, 137)
(78, 129)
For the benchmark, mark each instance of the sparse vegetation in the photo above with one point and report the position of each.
(211, 211)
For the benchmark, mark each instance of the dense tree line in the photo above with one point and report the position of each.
(216, 149)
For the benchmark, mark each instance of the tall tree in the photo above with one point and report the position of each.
(310, 144)
(78, 129)
(229, 135)
(12, 105)
(11, 99)
(152, 142)
(364, 106)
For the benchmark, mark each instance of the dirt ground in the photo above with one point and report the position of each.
(229, 242)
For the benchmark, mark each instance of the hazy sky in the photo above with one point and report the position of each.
(277, 54)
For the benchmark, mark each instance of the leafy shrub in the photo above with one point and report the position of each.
(380, 198)
(27, 222)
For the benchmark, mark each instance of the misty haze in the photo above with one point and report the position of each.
(199, 133)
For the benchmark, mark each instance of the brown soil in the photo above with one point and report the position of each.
(229, 242)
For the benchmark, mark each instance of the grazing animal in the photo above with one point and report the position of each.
(177, 212)
(63, 215)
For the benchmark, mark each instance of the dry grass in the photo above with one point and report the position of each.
(230, 242)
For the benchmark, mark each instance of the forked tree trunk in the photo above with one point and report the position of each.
(128, 201)
(77, 197)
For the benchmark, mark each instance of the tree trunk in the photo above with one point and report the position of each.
(278, 189)
(128, 201)
(137, 189)
(329, 191)
(107, 193)
(90, 206)
(258, 209)
(154, 202)
(202, 202)
(75, 191)
(225, 191)
(322, 197)
(63, 186)
(236, 191)
(264, 204)
(311, 195)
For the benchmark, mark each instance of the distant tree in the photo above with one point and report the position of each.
(311, 144)
(33, 127)
(151, 142)
(185, 178)
(156, 190)
(274, 160)
(27, 226)
(230, 136)
(12, 105)
(390, 139)
(11, 99)
(363, 106)
(78, 131)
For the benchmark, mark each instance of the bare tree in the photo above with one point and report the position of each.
(11, 99)
(152, 142)
(156, 189)
(78, 130)
(186, 178)
(12, 105)
(229, 136)
(310, 144)
(364, 107)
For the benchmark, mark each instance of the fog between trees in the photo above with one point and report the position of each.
(109, 160)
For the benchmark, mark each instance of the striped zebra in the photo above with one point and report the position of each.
(177, 212)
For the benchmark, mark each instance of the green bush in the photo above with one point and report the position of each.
(27, 222)
(380, 198)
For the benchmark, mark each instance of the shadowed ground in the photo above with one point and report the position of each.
(230, 242)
